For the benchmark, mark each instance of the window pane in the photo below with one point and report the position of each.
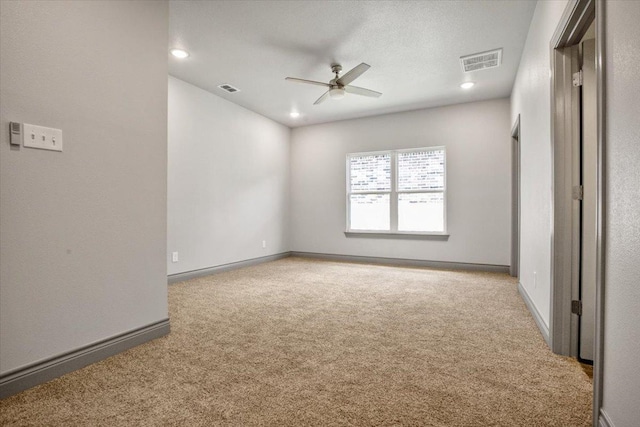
(421, 170)
(370, 173)
(421, 212)
(369, 211)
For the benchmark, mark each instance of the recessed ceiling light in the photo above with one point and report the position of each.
(294, 114)
(179, 53)
(467, 85)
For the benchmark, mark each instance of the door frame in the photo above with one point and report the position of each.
(565, 134)
(514, 268)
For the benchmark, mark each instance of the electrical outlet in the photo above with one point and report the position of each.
(174, 256)
(41, 137)
(264, 243)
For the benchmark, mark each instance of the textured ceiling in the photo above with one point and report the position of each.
(413, 49)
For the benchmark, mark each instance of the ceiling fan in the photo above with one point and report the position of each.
(339, 85)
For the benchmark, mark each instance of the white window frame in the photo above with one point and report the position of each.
(394, 193)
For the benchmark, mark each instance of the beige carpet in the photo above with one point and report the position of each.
(298, 342)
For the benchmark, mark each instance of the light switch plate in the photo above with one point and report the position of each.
(41, 137)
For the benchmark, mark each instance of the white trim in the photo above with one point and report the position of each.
(369, 192)
(394, 192)
(542, 326)
(368, 153)
(398, 234)
(349, 193)
(393, 203)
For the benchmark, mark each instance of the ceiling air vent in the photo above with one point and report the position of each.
(229, 88)
(481, 61)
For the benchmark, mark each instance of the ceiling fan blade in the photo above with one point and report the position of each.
(353, 74)
(322, 98)
(311, 82)
(362, 91)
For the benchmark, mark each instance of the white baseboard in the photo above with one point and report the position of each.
(542, 326)
(16, 381)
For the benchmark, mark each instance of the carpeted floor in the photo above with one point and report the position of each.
(300, 342)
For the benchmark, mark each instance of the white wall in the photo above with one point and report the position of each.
(531, 98)
(83, 232)
(476, 136)
(622, 288)
(228, 181)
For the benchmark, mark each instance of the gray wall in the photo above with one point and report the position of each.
(531, 98)
(476, 136)
(622, 288)
(228, 181)
(83, 232)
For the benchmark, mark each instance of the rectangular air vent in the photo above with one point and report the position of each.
(229, 88)
(481, 61)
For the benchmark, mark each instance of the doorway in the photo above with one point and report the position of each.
(587, 201)
(577, 108)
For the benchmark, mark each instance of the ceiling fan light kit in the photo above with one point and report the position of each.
(339, 86)
(336, 93)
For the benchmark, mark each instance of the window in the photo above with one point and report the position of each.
(397, 191)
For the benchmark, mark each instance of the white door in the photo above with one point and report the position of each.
(589, 185)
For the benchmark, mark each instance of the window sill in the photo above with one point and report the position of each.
(397, 235)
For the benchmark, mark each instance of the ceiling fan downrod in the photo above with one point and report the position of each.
(336, 68)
